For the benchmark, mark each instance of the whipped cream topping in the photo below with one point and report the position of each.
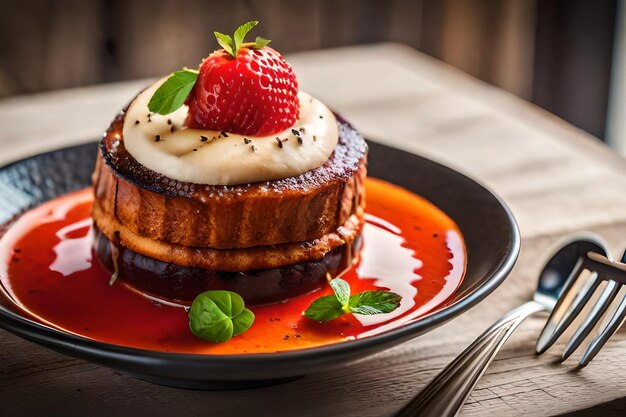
(163, 144)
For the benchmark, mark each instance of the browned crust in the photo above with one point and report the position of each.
(234, 260)
(141, 203)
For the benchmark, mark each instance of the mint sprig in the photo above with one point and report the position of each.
(369, 302)
(219, 315)
(173, 92)
(234, 43)
(374, 302)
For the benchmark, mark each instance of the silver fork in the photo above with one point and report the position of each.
(561, 290)
(564, 313)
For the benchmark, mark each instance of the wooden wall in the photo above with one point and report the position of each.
(63, 43)
(51, 44)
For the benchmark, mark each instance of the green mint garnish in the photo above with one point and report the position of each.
(324, 309)
(217, 316)
(342, 291)
(173, 92)
(367, 302)
(232, 45)
(374, 302)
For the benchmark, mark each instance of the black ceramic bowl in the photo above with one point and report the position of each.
(490, 233)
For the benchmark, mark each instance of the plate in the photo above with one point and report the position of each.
(491, 237)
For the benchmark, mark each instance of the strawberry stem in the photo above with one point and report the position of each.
(233, 44)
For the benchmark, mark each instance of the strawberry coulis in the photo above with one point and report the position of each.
(48, 272)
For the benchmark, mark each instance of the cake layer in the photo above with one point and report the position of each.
(182, 284)
(233, 260)
(297, 209)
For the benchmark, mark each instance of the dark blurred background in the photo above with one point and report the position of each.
(555, 53)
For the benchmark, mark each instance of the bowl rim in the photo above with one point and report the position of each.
(64, 341)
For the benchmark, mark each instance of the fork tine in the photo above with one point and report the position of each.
(611, 327)
(606, 298)
(548, 329)
(565, 312)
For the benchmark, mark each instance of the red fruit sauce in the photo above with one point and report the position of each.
(48, 273)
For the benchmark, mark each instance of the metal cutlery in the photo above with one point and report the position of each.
(562, 290)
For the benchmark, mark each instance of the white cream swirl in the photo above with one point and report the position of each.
(207, 157)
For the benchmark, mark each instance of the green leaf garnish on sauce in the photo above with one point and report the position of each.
(217, 316)
(324, 309)
(374, 302)
(367, 302)
(173, 92)
(342, 290)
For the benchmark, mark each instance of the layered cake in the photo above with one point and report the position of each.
(229, 177)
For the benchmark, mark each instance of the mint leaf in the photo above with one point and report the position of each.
(241, 32)
(367, 302)
(374, 302)
(342, 290)
(242, 322)
(173, 92)
(260, 42)
(324, 309)
(225, 42)
(217, 316)
(365, 310)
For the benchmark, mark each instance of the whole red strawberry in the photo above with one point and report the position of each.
(245, 88)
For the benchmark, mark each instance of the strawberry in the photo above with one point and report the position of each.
(245, 88)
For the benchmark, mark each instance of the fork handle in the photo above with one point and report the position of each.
(446, 394)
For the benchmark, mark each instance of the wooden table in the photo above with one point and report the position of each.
(556, 179)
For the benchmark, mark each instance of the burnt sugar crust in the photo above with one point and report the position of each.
(304, 208)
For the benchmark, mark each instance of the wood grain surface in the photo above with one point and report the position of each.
(555, 178)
